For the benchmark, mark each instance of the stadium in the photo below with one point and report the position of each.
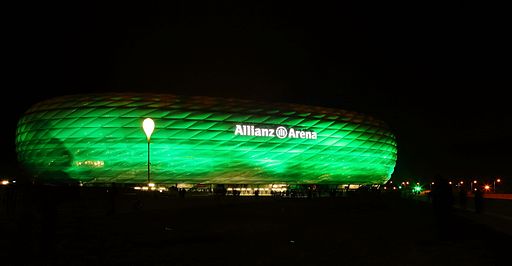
(99, 139)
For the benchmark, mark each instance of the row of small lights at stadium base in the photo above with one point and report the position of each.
(154, 187)
(418, 187)
(263, 190)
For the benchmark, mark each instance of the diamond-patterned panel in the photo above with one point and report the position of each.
(99, 138)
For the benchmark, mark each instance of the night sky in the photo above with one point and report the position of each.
(438, 74)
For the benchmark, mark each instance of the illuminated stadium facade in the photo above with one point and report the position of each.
(98, 138)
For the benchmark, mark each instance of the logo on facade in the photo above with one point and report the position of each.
(279, 132)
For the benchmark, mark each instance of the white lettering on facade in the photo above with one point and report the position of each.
(280, 132)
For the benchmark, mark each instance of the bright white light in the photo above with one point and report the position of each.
(151, 184)
(5, 182)
(149, 125)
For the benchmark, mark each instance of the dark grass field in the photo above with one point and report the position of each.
(203, 230)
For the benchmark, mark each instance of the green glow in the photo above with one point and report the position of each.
(418, 189)
(100, 138)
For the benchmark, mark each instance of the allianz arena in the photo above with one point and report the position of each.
(98, 138)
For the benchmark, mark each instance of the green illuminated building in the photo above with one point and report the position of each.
(99, 138)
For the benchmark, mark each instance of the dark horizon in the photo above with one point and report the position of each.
(433, 73)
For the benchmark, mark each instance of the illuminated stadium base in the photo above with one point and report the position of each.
(201, 140)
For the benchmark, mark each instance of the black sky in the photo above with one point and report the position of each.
(437, 73)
